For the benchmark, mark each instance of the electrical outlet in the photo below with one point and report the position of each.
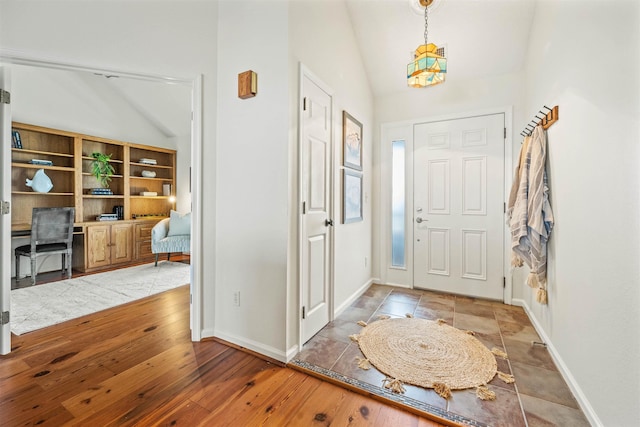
(236, 298)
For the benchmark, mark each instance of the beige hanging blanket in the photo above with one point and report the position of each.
(529, 214)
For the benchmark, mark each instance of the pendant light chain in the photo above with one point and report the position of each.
(426, 27)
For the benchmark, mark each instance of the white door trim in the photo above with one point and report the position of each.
(385, 176)
(305, 72)
(5, 220)
(13, 57)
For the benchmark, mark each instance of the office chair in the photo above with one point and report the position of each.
(51, 233)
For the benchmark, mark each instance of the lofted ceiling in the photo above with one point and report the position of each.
(481, 37)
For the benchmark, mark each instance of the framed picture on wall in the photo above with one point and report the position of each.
(351, 141)
(351, 196)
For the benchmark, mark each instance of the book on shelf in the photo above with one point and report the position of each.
(107, 217)
(16, 141)
(149, 193)
(40, 162)
(148, 161)
(101, 192)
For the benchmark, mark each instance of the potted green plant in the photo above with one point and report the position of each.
(101, 168)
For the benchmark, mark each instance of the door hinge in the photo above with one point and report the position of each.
(504, 282)
(304, 208)
(4, 319)
(5, 97)
(304, 312)
(505, 133)
(304, 104)
(5, 207)
(504, 207)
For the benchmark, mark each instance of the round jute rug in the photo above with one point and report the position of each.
(427, 353)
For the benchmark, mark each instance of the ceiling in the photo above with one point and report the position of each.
(481, 37)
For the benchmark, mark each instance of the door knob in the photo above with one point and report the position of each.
(419, 220)
(328, 222)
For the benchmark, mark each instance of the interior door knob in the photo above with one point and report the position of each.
(328, 222)
(419, 220)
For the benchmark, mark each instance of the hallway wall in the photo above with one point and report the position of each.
(593, 316)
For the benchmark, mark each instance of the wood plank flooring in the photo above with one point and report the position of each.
(135, 365)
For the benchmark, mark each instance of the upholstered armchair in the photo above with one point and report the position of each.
(171, 235)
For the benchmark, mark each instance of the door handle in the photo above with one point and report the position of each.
(419, 220)
(328, 222)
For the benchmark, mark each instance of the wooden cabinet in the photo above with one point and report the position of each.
(109, 244)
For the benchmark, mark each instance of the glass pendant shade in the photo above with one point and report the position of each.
(428, 67)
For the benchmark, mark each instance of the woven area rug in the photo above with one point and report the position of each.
(44, 305)
(428, 354)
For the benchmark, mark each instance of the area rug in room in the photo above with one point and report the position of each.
(428, 354)
(44, 305)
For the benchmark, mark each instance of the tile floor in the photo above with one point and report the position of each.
(539, 396)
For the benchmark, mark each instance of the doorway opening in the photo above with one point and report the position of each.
(117, 94)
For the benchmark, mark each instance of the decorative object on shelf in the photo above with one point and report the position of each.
(429, 64)
(166, 190)
(247, 84)
(101, 168)
(40, 183)
(148, 174)
(351, 141)
(351, 196)
(149, 193)
(146, 161)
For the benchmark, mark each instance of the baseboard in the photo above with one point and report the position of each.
(361, 290)
(254, 346)
(582, 400)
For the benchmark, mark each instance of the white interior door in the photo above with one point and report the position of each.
(316, 207)
(5, 217)
(458, 206)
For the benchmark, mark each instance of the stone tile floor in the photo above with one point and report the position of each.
(539, 396)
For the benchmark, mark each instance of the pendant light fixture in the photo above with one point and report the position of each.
(429, 65)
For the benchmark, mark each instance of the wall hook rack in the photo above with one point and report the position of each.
(548, 118)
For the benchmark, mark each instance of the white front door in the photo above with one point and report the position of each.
(315, 168)
(458, 206)
(5, 218)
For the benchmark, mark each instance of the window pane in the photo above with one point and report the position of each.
(397, 204)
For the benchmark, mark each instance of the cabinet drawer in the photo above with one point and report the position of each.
(144, 250)
(143, 231)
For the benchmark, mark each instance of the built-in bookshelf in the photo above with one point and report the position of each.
(65, 157)
(66, 160)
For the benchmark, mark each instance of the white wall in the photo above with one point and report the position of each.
(252, 173)
(330, 52)
(151, 37)
(593, 316)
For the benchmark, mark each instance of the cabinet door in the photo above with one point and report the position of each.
(121, 243)
(98, 246)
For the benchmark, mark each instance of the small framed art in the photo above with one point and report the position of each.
(351, 141)
(351, 196)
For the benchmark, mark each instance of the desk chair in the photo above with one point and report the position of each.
(51, 233)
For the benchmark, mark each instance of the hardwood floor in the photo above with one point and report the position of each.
(135, 365)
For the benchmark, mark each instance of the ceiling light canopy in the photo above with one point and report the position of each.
(429, 65)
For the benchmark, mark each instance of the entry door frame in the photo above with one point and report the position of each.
(305, 72)
(403, 130)
(195, 83)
